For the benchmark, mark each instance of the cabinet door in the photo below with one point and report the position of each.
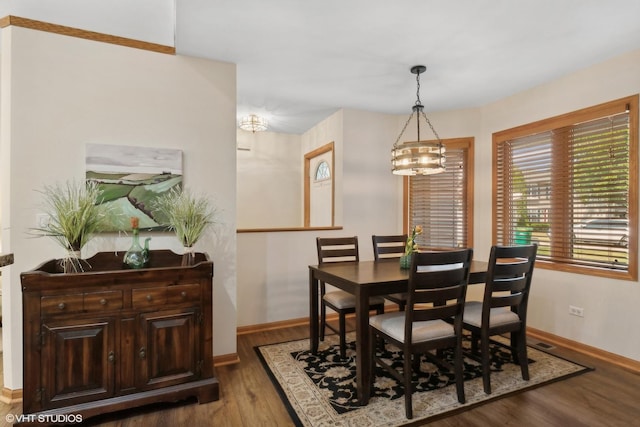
(79, 358)
(169, 351)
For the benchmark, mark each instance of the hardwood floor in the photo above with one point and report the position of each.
(608, 396)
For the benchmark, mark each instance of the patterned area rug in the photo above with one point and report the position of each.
(319, 390)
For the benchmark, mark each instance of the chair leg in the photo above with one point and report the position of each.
(401, 306)
(474, 343)
(343, 336)
(459, 371)
(514, 348)
(408, 386)
(380, 310)
(415, 364)
(373, 344)
(323, 320)
(486, 362)
(521, 351)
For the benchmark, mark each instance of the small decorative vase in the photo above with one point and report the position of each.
(135, 256)
(146, 255)
(72, 263)
(405, 261)
(189, 256)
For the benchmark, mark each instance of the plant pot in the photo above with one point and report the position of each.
(72, 263)
(188, 256)
(405, 261)
(523, 236)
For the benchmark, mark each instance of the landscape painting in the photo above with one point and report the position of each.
(131, 179)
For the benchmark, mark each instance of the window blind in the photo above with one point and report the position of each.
(568, 189)
(439, 203)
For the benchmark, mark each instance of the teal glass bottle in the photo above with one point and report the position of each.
(146, 255)
(135, 256)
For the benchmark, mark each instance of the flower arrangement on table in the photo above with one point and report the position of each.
(410, 247)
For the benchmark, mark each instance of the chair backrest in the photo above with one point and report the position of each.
(509, 279)
(437, 287)
(388, 246)
(337, 249)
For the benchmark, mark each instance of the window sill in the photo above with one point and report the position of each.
(284, 229)
(591, 271)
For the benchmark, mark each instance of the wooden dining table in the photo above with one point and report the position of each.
(364, 279)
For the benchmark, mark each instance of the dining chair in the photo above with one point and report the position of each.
(391, 247)
(436, 293)
(503, 308)
(340, 249)
(385, 247)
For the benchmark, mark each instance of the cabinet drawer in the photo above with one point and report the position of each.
(105, 300)
(61, 304)
(183, 293)
(149, 297)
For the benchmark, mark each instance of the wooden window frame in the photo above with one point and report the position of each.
(611, 108)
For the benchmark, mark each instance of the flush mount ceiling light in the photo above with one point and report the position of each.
(418, 157)
(253, 123)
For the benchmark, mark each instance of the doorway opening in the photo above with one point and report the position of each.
(319, 187)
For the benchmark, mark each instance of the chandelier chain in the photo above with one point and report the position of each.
(431, 126)
(403, 129)
(418, 102)
(418, 109)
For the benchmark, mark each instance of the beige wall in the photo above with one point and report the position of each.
(59, 93)
(269, 176)
(329, 130)
(272, 266)
(610, 306)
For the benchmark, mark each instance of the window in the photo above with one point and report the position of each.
(569, 183)
(442, 203)
(322, 171)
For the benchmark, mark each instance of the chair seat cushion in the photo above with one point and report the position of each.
(497, 317)
(392, 324)
(343, 300)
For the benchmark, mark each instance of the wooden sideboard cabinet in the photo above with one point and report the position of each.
(112, 338)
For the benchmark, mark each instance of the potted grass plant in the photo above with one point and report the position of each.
(75, 214)
(188, 215)
(410, 247)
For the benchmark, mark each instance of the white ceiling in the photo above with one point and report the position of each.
(299, 61)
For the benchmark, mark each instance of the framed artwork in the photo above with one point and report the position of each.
(131, 178)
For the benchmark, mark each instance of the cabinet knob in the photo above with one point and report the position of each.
(103, 301)
(183, 294)
(149, 297)
(112, 357)
(142, 353)
(61, 306)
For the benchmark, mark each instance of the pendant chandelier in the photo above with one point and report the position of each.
(418, 157)
(253, 123)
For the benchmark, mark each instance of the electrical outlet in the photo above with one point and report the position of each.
(42, 220)
(576, 311)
